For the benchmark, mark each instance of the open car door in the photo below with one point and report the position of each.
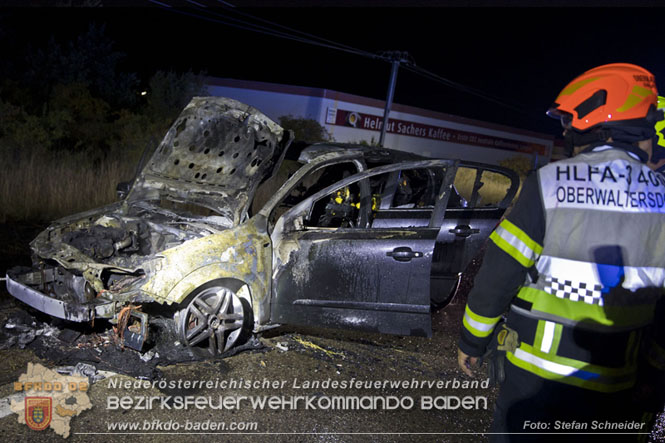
(337, 263)
(480, 196)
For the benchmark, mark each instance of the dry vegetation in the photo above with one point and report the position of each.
(45, 186)
(492, 191)
(494, 185)
(42, 186)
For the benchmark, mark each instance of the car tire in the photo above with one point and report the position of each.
(214, 320)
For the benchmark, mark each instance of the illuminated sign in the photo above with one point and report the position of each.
(414, 129)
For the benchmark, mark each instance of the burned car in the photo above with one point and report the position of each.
(230, 229)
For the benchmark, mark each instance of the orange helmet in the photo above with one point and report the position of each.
(609, 95)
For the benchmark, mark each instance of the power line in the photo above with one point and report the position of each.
(197, 4)
(306, 38)
(340, 45)
(430, 75)
(248, 26)
(163, 5)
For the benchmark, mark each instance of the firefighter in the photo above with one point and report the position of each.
(576, 269)
(341, 210)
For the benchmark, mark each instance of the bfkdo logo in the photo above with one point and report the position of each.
(38, 412)
(49, 399)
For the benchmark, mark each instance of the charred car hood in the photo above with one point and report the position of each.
(215, 155)
(200, 181)
(121, 236)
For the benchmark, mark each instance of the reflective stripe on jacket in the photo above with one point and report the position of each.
(591, 232)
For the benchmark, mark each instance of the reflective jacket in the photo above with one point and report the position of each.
(580, 261)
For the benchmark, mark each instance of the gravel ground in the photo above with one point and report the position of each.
(288, 357)
(292, 358)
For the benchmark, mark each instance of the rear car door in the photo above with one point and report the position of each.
(345, 257)
(479, 198)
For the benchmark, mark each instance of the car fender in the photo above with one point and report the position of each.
(242, 253)
(219, 271)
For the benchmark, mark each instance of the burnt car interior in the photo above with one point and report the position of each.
(387, 246)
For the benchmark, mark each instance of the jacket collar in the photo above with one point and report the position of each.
(631, 150)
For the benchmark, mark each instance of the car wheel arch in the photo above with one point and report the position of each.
(256, 294)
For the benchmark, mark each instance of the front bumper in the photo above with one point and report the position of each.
(98, 308)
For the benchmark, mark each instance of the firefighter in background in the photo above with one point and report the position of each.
(341, 211)
(579, 267)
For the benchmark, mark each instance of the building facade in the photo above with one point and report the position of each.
(352, 119)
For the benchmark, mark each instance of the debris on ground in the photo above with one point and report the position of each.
(314, 346)
(82, 370)
(149, 355)
(92, 351)
(22, 330)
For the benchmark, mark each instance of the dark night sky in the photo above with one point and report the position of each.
(523, 55)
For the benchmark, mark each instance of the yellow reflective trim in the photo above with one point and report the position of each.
(581, 312)
(540, 331)
(578, 364)
(548, 334)
(660, 125)
(575, 86)
(659, 131)
(522, 236)
(475, 332)
(558, 330)
(636, 96)
(481, 319)
(573, 381)
(511, 250)
(478, 325)
(639, 90)
(529, 294)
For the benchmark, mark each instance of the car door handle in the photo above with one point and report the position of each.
(463, 230)
(404, 253)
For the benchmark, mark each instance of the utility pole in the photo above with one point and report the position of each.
(395, 57)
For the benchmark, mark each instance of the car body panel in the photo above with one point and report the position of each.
(353, 282)
(370, 278)
(19, 287)
(242, 253)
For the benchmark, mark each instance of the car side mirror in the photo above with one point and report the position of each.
(299, 223)
(294, 225)
(122, 190)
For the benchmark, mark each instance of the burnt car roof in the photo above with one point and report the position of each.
(373, 155)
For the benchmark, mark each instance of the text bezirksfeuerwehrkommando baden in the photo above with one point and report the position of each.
(292, 402)
(315, 401)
